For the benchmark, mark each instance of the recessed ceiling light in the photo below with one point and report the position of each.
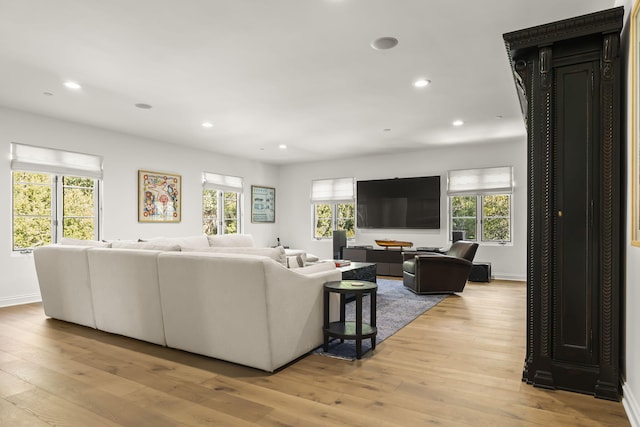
(47, 93)
(143, 106)
(421, 83)
(499, 117)
(387, 130)
(383, 43)
(72, 85)
(207, 125)
(457, 123)
(282, 146)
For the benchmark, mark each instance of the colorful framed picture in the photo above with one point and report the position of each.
(263, 204)
(159, 197)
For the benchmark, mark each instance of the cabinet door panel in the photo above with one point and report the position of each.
(574, 196)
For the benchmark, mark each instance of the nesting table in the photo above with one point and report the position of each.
(350, 330)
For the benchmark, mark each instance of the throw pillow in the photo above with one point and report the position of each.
(295, 261)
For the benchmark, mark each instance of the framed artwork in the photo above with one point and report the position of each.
(634, 58)
(159, 197)
(263, 204)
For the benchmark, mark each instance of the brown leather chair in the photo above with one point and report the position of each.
(433, 273)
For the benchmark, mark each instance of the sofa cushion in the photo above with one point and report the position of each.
(190, 241)
(231, 240)
(276, 253)
(156, 246)
(80, 242)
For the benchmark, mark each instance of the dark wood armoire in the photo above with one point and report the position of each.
(568, 80)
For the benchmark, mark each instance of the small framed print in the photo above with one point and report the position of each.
(159, 197)
(263, 204)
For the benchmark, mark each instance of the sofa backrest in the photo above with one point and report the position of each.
(63, 277)
(463, 249)
(208, 298)
(126, 293)
(277, 253)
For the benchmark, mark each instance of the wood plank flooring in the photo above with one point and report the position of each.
(459, 364)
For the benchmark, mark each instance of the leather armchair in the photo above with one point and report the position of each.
(433, 273)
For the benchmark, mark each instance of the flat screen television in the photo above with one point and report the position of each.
(399, 203)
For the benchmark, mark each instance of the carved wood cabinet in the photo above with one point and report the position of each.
(568, 79)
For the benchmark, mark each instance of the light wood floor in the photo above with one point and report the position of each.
(459, 364)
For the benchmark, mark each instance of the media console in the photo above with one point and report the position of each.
(388, 261)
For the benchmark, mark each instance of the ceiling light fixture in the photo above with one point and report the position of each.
(47, 93)
(143, 106)
(282, 146)
(207, 125)
(457, 123)
(383, 43)
(421, 83)
(72, 85)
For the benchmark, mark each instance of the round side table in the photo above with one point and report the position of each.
(350, 330)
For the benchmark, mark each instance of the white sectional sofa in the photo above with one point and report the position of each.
(243, 306)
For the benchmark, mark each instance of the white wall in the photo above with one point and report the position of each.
(630, 331)
(123, 156)
(294, 185)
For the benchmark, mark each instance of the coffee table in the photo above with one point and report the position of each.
(365, 271)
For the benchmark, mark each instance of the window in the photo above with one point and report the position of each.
(221, 201)
(55, 195)
(333, 207)
(480, 203)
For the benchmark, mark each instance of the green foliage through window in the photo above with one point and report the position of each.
(216, 222)
(491, 214)
(334, 216)
(36, 208)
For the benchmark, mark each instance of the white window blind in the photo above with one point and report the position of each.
(332, 190)
(480, 181)
(40, 159)
(222, 182)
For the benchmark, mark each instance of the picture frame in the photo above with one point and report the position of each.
(634, 59)
(263, 204)
(159, 197)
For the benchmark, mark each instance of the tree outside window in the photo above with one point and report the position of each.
(49, 206)
(489, 213)
(334, 216)
(79, 207)
(220, 211)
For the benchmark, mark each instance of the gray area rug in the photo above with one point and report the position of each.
(396, 307)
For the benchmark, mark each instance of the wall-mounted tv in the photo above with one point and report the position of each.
(399, 203)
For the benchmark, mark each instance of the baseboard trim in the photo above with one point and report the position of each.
(20, 299)
(513, 277)
(631, 406)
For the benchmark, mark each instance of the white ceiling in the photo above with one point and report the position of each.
(270, 72)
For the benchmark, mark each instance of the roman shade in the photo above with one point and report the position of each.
(332, 190)
(480, 181)
(41, 159)
(216, 181)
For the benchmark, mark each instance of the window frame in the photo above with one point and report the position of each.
(332, 192)
(480, 217)
(221, 220)
(334, 218)
(223, 184)
(56, 217)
